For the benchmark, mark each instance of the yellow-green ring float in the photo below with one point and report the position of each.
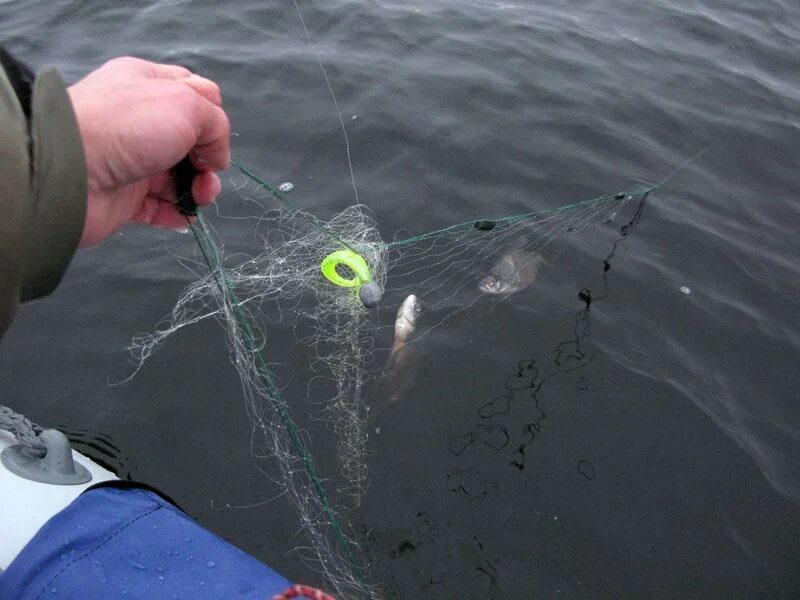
(353, 261)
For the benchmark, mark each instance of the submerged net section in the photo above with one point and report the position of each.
(448, 267)
(347, 342)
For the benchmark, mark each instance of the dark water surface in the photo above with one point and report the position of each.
(647, 447)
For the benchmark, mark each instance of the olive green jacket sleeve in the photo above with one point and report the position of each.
(42, 191)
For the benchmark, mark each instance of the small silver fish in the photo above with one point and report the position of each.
(515, 271)
(406, 322)
(401, 366)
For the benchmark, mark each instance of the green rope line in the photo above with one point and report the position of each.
(446, 231)
(458, 228)
(503, 221)
(211, 255)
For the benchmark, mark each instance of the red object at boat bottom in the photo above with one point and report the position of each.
(303, 591)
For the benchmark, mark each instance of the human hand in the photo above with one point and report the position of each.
(137, 120)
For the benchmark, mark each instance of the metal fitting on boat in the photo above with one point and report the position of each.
(56, 467)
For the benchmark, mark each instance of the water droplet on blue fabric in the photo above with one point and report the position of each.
(211, 564)
(137, 565)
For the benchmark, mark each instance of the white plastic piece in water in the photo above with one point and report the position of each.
(286, 186)
(685, 290)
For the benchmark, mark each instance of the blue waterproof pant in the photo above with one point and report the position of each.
(114, 543)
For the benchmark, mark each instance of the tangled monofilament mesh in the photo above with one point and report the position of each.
(439, 266)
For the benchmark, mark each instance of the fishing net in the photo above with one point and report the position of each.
(348, 343)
